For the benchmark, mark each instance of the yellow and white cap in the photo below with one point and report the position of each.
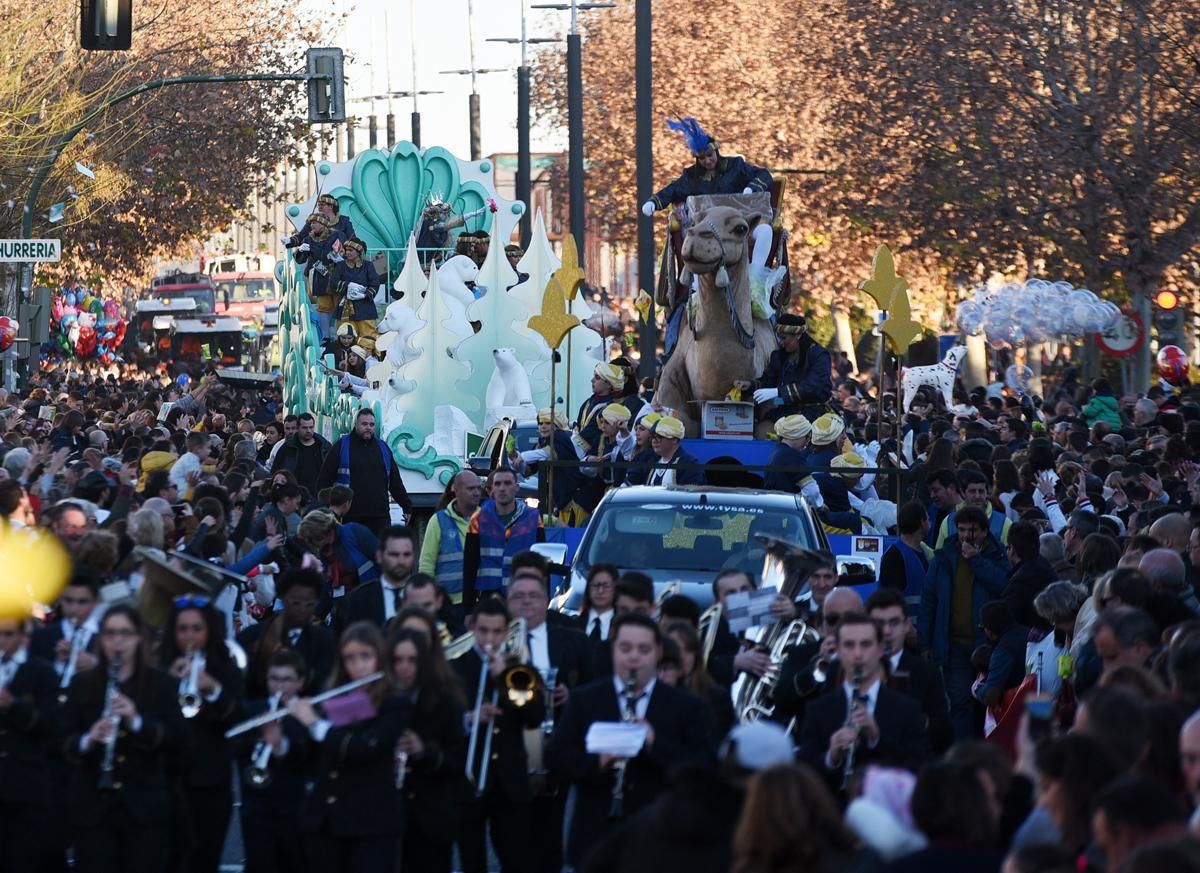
(793, 427)
(616, 413)
(669, 427)
(826, 429)
(610, 373)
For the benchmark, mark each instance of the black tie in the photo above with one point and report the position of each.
(631, 702)
(396, 601)
(594, 633)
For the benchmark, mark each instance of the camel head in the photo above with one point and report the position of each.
(719, 237)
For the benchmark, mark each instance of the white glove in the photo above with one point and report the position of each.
(304, 247)
(476, 213)
(747, 190)
(354, 291)
(648, 208)
(285, 239)
(765, 395)
(335, 257)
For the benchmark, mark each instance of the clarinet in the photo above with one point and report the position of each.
(78, 644)
(616, 810)
(110, 745)
(848, 763)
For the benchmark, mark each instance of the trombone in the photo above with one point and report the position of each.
(521, 685)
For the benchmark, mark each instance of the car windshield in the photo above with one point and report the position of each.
(246, 290)
(692, 537)
(202, 296)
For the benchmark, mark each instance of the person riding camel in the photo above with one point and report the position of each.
(714, 173)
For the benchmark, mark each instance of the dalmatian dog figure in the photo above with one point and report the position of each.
(939, 376)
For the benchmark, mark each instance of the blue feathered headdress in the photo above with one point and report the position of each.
(693, 134)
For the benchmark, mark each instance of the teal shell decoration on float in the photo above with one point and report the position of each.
(389, 191)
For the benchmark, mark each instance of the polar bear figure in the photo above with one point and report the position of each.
(452, 279)
(396, 329)
(508, 390)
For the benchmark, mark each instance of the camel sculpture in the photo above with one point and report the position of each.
(720, 341)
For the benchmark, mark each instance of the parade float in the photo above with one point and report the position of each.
(460, 350)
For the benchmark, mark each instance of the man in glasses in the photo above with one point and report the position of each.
(291, 627)
(810, 669)
(907, 671)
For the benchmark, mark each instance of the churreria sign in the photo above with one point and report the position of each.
(29, 250)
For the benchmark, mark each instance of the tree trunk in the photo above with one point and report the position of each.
(975, 370)
(1141, 292)
(843, 338)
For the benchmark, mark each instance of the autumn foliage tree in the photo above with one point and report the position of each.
(171, 166)
(1031, 137)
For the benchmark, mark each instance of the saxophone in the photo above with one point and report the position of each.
(785, 568)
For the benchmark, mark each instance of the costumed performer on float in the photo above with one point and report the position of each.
(714, 173)
(355, 281)
(437, 220)
(797, 379)
(327, 206)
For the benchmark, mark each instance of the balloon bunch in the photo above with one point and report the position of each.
(1034, 311)
(84, 325)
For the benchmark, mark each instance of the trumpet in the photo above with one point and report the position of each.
(189, 687)
(856, 700)
(616, 810)
(259, 774)
(111, 690)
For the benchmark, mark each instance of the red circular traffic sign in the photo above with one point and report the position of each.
(1125, 337)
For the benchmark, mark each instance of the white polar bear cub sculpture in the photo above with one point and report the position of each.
(508, 392)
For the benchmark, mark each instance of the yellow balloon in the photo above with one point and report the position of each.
(34, 568)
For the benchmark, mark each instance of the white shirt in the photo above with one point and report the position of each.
(872, 696)
(604, 618)
(539, 648)
(643, 696)
(894, 663)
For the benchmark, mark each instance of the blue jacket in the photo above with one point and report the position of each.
(732, 175)
(777, 479)
(364, 274)
(803, 379)
(933, 619)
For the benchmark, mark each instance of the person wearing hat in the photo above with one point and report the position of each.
(555, 444)
(318, 256)
(797, 378)
(437, 220)
(616, 441)
(827, 437)
(793, 432)
(674, 466)
(607, 379)
(330, 210)
(354, 282)
(347, 338)
(642, 456)
(514, 253)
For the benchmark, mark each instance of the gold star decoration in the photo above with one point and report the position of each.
(900, 329)
(884, 284)
(569, 276)
(554, 321)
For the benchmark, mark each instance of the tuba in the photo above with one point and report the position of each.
(785, 568)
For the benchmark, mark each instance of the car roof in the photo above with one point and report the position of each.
(707, 493)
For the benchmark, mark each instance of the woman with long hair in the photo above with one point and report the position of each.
(118, 744)
(1072, 770)
(431, 754)
(943, 455)
(790, 824)
(353, 812)
(417, 619)
(696, 679)
(597, 612)
(211, 698)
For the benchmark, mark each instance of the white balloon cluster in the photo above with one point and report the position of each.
(1034, 311)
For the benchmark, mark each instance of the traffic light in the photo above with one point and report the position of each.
(106, 25)
(1168, 319)
(326, 86)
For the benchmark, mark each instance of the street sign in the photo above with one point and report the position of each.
(29, 250)
(1125, 337)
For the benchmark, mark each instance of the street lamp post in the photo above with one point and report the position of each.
(644, 111)
(524, 168)
(575, 116)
